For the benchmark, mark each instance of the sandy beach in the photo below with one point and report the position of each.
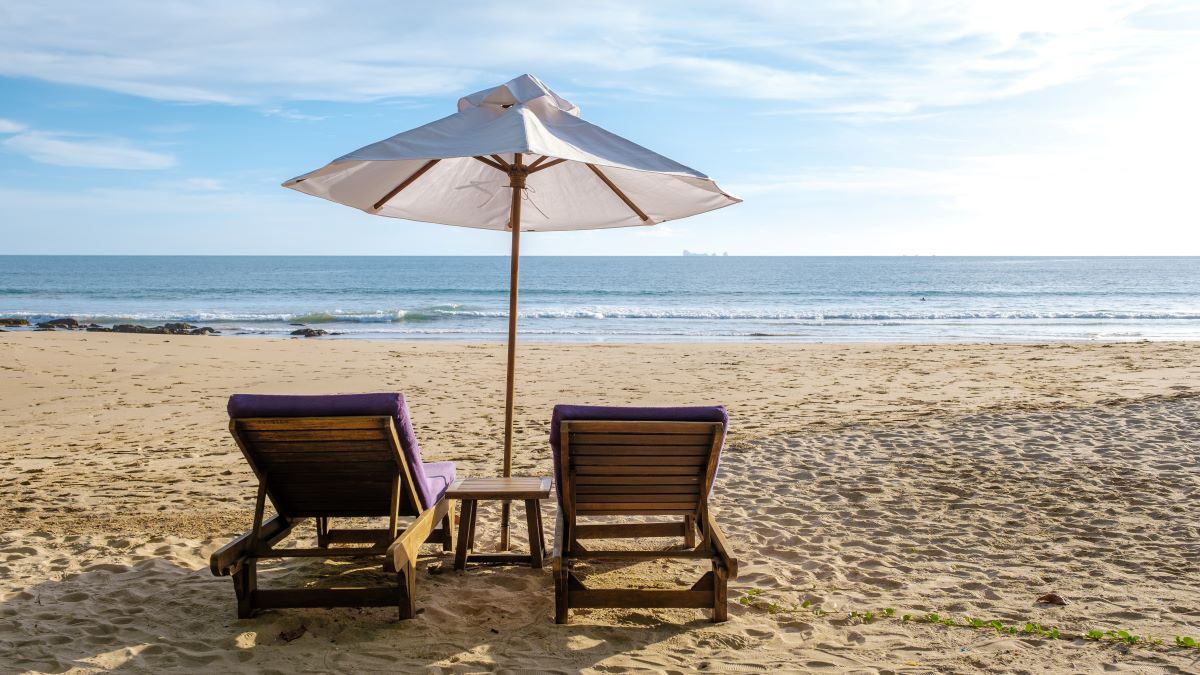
(962, 480)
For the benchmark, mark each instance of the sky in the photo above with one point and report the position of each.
(1048, 127)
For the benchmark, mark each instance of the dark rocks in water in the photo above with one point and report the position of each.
(165, 329)
(134, 328)
(68, 322)
(309, 332)
(295, 324)
(178, 328)
(39, 330)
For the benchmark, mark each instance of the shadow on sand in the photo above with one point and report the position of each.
(167, 613)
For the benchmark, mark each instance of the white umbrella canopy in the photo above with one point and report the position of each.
(440, 180)
(512, 143)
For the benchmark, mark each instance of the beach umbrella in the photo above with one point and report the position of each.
(508, 146)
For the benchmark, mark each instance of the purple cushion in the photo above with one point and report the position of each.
(339, 405)
(715, 413)
(439, 476)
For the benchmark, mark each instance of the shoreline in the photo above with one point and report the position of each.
(299, 330)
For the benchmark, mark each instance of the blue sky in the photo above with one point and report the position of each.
(850, 128)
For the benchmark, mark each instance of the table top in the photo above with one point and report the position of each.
(514, 487)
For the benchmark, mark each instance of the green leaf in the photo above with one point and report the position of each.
(889, 611)
(805, 604)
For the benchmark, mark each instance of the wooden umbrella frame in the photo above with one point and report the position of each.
(517, 172)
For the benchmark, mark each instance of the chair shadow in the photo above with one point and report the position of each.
(159, 614)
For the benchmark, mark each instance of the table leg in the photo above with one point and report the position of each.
(541, 528)
(533, 514)
(466, 533)
(471, 533)
(505, 510)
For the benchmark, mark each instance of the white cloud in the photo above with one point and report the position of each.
(83, 151)
(10, 127)
(885, 56)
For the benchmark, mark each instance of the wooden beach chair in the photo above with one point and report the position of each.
(326, 457)
(612, 462)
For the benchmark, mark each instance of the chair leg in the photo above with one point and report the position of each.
(689, 531)
(720, 594)
(561, 589)
(407, 579)
(245, 583)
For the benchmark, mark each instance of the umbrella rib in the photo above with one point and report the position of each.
(501, 162)
(407, 181)
(492, 164)
(537, 161)
(534, 168)
(611, 186)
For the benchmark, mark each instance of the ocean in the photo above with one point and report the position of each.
(625, 299)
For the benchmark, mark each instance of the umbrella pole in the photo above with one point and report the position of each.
(516, 175)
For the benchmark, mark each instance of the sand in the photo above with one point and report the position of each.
(965, 480)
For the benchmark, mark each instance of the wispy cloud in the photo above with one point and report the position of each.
(289, 114)
(878, 57)
(10, 127)
(63, 149)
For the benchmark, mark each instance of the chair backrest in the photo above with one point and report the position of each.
(327, 466)
(639, 465)
(337, 464)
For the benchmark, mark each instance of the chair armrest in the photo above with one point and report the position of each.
(228, 558)
(720, 545)
(402, 553)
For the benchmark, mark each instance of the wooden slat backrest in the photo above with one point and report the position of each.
(327, 466)
(638, 468)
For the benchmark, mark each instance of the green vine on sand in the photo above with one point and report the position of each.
(753, 598)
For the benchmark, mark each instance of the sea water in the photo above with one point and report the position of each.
(625, 299)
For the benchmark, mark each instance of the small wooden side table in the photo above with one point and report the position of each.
(472, 490)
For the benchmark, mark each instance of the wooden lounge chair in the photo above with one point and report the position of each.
(324, 457)
(638, 462)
